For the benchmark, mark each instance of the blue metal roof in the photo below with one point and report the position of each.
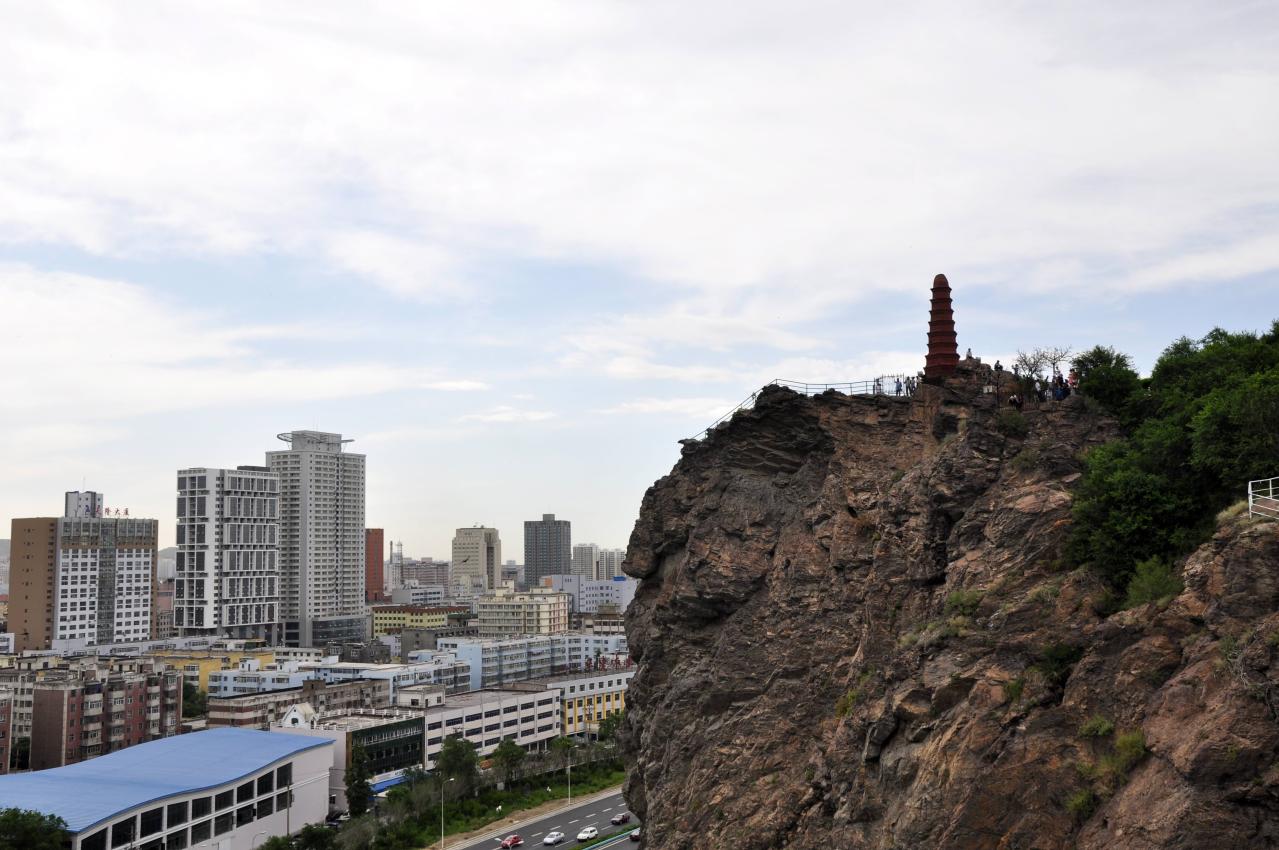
(89, 792)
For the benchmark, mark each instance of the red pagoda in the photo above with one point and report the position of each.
(943, 352)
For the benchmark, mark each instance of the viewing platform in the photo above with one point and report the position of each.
(1263, 498)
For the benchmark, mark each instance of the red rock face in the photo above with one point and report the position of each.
(854, 629)
(943, 347)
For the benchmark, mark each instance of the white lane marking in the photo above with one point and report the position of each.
(573, 822)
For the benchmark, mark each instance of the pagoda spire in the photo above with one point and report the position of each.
(943, 350)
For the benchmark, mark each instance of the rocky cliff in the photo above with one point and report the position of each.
(855, 629)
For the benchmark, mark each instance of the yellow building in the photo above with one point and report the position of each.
(197, 664)
(391, 619)
(587, 698)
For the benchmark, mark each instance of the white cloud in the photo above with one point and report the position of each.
(400, 266)
(83, 349)
(828, 149)
(504, 413)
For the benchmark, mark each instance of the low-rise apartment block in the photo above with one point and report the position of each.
(587, 698)
(528, 716)
(392, 619)
(496, 662)
(541, 611)
(263, 710)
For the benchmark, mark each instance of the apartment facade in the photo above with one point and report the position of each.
(541, 611)
(587, 698)
(81, 714)
(610, 564)
(588, 596)
(6, 729)
(228, 559)
(322, 558)
(494, 663)
(548, 548)
(528, 716)
(264, 710)
(374, 570)
(586, 560)
(33, 559)
(392, 619)
(105, 580)
(477, 559)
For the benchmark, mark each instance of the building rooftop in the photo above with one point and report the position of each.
(89, 792)
(366, 719)
(473, 699)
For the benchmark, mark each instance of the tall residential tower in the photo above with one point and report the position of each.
(228, 561)
(477, 560)
(548, 548)
(321, 539)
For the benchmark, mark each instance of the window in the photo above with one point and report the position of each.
(244, 793)
(222, 824)
(97, 841)
(284, 775)
(176, 840)
(244, 814)
(178, 813)
(201, 831)
(264, 807)
(122, 833)
(281, 801)
(152, 822)
(224, 800)
(265, 783)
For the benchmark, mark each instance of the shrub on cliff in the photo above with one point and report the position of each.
(1153, 581)
(1203, 424)
(1107, 376)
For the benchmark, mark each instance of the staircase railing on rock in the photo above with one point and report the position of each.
(1263, 497)
(886, 385)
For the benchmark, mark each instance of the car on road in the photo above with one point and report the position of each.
(635, 834)
(511, 841)
(621, 817)
(588, 833)
(553, 837)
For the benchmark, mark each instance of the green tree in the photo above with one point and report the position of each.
(1107, 376)
(23, 829)
(610, 724)
(194, 700)
(458, 760)
(508, 756)
(358, 791)
(276, 842)
(315, 837)
(1203, 425)
(560, 748)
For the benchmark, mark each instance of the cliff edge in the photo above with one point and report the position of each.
(855, 629)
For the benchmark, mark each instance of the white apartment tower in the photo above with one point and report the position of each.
(228, 560)
(477, 559)
(321, 539)
(610, 563)
(104, 576)
(586, 560)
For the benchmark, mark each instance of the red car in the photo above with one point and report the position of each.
(624, 817)
(511, 841)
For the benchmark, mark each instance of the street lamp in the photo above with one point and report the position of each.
(451, 778)
(254, 839)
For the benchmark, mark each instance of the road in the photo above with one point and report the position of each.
(568, 821)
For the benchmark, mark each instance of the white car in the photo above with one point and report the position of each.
(588, 833)
(553, 838)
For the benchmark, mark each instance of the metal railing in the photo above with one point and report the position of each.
(1263, 497)
(886, 385)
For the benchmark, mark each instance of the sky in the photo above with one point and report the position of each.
(518, 250)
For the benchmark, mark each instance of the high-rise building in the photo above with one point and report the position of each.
(610, 563)
(548, 548)
(228, 559)
(33, 562)
(586, 560)
(374, 580)
(321, 539)
(81, 580)
(477, 559)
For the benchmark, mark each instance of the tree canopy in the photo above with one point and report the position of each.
(1198, 429)
(23, 829)
(358, 791)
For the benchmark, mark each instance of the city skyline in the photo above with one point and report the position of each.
(666, 211)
